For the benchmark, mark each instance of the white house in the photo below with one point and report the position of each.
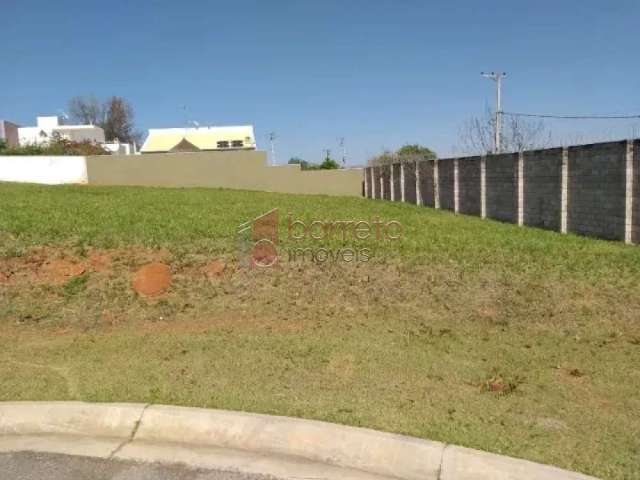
(51, 127)
(173, 140)
(117, 148)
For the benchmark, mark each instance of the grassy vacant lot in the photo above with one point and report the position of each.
(512, 340)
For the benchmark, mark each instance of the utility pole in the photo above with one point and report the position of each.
(327, 153)
(344, 151)
(497, 77)
(272, 141)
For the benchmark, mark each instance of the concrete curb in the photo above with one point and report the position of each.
(206, 437)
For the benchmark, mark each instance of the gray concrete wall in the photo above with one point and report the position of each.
(396, 182)
(385, 174)
(247, 170)
(410, 182)
(469, 185)
(587, 189)
(502, 187)
(445, 183)
(597, 190)
(543, 188)
(425, 171)
(635, 227)
(377, 175)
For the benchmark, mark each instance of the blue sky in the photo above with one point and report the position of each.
(380, 73)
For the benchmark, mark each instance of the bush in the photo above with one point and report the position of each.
(329, 164)
(60, 147)
(406, 153)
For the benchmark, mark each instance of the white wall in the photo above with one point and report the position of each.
(31, 136)
(75, 133)
(40, 169)
(119, 148)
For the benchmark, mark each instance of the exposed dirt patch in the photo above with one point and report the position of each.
(4, 278)
(214, 269)
(152, 279)
(100, 262)
(58, 272)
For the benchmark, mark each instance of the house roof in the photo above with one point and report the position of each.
(184, 145)
(205, 138)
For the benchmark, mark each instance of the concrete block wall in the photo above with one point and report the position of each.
(543, 188)
(409, 177)
(635, 196)
(396, 182)
(469, 191)
(589, 190)
(446, 187)
(367, 184)
(385, 175)
(502, 187)
(426, 184)
(375, 173)
(597, 176)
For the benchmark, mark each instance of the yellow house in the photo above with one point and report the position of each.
(200, 139)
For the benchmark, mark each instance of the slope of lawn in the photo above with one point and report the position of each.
(513, 340)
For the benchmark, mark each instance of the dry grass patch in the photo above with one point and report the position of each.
(510, 340)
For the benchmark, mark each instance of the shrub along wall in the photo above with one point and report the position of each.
(589, 190)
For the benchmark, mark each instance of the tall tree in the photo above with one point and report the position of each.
(87, 110)
(118, 124)
(114, 115)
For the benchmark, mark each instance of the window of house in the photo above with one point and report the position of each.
(237, 143)
(223, 144)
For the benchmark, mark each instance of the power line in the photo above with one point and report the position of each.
(572, 117)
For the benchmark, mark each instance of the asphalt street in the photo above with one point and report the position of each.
(47, 466)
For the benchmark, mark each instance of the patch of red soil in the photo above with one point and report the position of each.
(58, 272)
(100, 262)
(152, 279)
(214, 269)
(4, 278)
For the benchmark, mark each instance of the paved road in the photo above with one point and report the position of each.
(47, 466)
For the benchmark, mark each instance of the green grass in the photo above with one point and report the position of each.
(513, 340)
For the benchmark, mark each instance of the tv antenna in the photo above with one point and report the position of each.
(272, 142)
(344, 150)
